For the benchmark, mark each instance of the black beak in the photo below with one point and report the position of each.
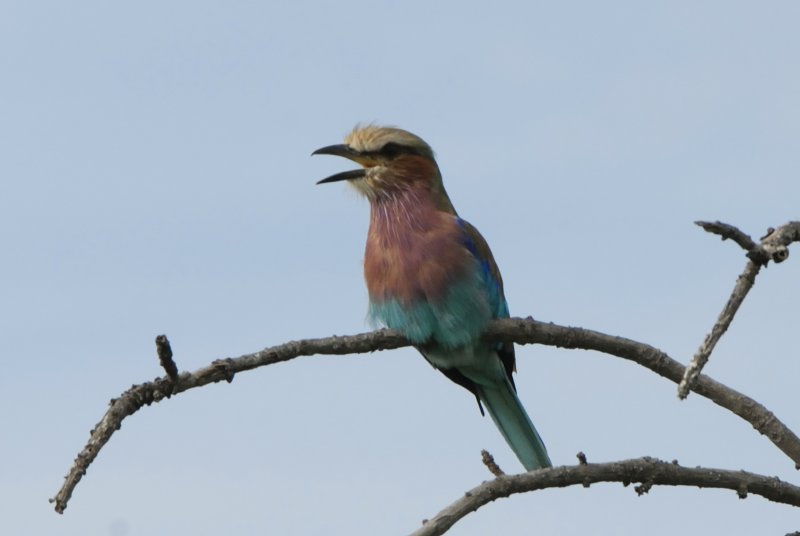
(347, 152)
(345, 176)
(338, 150)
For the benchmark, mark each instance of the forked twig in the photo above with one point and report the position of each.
(773, 247)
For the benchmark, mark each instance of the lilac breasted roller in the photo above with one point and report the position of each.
(431, 275)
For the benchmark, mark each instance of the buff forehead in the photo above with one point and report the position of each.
(373, 138)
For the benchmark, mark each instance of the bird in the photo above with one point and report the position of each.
(431, 276)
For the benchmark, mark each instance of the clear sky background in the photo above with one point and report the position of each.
(155, 177)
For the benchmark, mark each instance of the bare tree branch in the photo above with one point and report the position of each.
(647, 471)
(523, 331)
(146, 393)
(773, 246)
(529, 331)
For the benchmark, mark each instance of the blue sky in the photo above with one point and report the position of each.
(156, 178)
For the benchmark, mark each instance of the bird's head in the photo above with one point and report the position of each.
(392, 160)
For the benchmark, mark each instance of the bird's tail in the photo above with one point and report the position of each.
(513, 422)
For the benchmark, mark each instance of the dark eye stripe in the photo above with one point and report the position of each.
(393, 150)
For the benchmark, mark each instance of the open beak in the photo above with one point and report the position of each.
(347, 152)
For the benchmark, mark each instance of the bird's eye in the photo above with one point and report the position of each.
(392, 150)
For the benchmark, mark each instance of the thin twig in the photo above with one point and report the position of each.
(491, 465)
(727, 231)
(164, 351)
(743, 285)
(773, 247)
(647, 471)
(523, 331)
